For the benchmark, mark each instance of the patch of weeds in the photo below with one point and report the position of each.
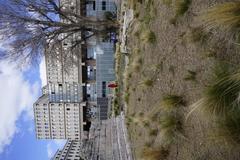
(191, 76)
(153, 132)
(126, 97)
(133, 114)
(155, 153)
(159, 67)
(170, 102)
(170, 127)
(198, 35)
(146, 124)
(148, 144)
(182, 7)
(210, 54)
(139, 99)
(148, 36)
(137, 64)
(167, 2)
(133, 89)
(136, 14)
(141, 114)
(155, 117)
(148, 83)
(137, 33)
(129, 120)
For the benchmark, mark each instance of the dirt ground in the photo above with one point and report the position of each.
(166, 62)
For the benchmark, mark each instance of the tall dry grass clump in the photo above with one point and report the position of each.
(170, 122)
(221, 96)
(221, 103)
(182, 7)
(170, 102)
(225, 16)
(170, 128)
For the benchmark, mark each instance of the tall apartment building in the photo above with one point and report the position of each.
(59, 112)
(71, 151)
(58, 120)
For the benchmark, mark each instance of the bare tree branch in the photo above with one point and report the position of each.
(27, 26)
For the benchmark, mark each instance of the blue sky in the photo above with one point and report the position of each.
(19, 90)
(17, 136)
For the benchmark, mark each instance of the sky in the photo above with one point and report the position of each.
(19, 90)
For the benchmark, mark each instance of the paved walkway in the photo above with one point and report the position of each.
(108, 141)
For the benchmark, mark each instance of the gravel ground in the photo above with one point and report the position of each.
(176, 53)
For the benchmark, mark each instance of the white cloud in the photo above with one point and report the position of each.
(43, 72)
(16, 97)
(53, 146)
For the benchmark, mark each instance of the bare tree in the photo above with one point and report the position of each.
(26, 26)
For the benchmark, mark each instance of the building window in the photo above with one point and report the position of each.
(103, 89)
(93, 4)
(103, 5)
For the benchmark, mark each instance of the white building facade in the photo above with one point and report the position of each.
(71, 151)
(58, 120)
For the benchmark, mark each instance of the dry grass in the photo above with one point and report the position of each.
(182, 7)
(153, 132)
(170, 128)
(198, 35)
(191, 76)
(220, 102)
(167, 2)
(148, 36)
(171, 102)
(225, 16)
(148, 83)
(221, 96)
(136, 64)
(155, 153)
